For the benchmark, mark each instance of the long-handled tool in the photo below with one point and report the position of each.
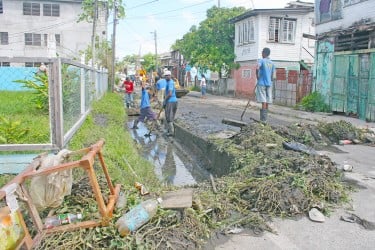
(248, 103)
(153, 125)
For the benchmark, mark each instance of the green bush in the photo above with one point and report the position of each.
(195, 88)
(314, 102)
(39, 85)
(11, 131)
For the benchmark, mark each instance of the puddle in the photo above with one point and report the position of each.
(172, 163)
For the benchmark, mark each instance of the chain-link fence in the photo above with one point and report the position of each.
(44, 101)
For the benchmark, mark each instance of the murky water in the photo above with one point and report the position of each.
(173, 164)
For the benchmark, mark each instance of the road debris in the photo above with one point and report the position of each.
(316, 215)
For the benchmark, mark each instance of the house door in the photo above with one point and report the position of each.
(364, 74)
(339, 83)
(370, 109)
(353, 89)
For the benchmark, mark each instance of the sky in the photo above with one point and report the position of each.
(169, 20)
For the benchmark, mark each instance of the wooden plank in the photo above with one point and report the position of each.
(178, 199)
(232, 122)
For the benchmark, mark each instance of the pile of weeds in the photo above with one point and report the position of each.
(342, 130)
(323, 134)
(276, 181)
(266, 180)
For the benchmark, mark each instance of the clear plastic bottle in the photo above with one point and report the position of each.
(137, 216)
(61, 219)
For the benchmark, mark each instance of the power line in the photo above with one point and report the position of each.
(39, 29)
(169, 11)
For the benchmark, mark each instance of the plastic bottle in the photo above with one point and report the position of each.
(61, 219)
(137, 216)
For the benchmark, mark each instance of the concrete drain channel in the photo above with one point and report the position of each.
(186, 159)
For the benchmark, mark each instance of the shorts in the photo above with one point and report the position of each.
(146, 113)
(203, 90)
(264, 94)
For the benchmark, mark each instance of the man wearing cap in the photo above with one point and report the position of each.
(170, 102)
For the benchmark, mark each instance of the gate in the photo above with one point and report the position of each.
(352, 89)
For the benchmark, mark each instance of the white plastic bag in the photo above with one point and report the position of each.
(50, 190)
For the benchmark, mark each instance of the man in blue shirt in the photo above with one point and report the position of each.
(170, 102)
(160, 87)
(266, 73)
(146, 111)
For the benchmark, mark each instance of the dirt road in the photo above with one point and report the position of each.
(204, 117)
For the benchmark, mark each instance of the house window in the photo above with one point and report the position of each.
(58, 39)
(281, 30)
(240, 37)
(4, 38)
(1, 7)
(330, 10)
(45, 38)
(246, 32)
(33, 39)
(246, 74)
(51, 9)
(4, 64)
(32, 64)
(251, 31)
(31, 9)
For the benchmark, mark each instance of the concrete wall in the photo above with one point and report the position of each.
(216, 162)
(74, 36)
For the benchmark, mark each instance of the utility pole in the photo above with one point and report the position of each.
(94, 34)
(114, 43)
(218, 3)
(156, 51)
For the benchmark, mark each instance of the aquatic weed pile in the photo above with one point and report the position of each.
(283, 182)
(266, 180)
(324, 134)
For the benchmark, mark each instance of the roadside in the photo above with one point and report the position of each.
(204, 116)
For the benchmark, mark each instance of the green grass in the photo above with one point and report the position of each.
(18, 106)
(108, 121)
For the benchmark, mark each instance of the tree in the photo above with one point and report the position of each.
(103, 54)
(149, 62)
(211, 45)
(89, 10)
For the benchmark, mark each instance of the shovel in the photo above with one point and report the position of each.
(153, 125)
(248, 103)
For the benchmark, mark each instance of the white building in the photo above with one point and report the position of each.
(282, 31)
(46, 28)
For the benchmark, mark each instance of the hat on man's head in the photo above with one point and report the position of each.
(167, 73)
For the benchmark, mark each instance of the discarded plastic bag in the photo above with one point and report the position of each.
(50, 190)
(11, 231)
(299, 147)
